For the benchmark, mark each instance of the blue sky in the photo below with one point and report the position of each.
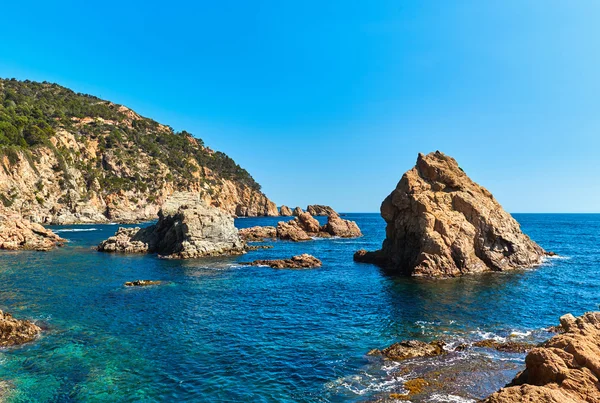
(330, 102)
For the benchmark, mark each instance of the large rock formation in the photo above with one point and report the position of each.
(305, 227)
(285, 211)
(18, 233)
(565, 369)
(297, 211)
(84, 160)
(320, 210)
(185, 229)
(14, 331)
(304, 261)
(441, 224)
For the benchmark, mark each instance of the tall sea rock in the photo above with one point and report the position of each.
(68, 157)
(442, 224)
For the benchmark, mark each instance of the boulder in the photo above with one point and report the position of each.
(301, 228)
(506, 346)
(564, 369)
(285, 211)
(297, 211)
(19, 233)
(320, 210)
(337, 226)
(14, 331)
(303, 261)
(442, 224)
(258, 233)
(411, 349)
(183, 231)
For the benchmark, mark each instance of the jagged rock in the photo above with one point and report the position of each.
(337, 226)
(411, 349)
(285, 211)
(14, 331)
(297, 211)
(183, 231)
(258, 233)
(305, 227)
(142, 283)
(320, 210)
(565, 369)
(303, 261)
(442, 224)
(18, 233)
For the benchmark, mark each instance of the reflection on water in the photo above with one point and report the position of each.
(223, 331)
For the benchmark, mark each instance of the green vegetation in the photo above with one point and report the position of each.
(32, 113)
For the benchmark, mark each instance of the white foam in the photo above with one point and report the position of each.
(75, 230)
(516, 333)
(450, 399)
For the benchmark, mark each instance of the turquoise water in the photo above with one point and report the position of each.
(221, 331)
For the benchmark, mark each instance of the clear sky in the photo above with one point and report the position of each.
(329, 102)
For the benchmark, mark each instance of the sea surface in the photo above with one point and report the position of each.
(220, 331)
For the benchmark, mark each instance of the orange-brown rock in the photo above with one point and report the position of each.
(19, 233)
(410, 349)
(337, 226)
(320, 210)
(258, 233)
(303, 261)
(14, 331)
(285, 211)
(565, 369)
(297, 211)
(442, 224)
(305, 227)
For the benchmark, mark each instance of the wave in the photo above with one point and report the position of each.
(75, 230)
(450, 399)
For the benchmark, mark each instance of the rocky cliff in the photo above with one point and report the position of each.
(565, 369)
(18, 233)
(442, 224)
(67, 158)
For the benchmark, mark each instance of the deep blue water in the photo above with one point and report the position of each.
(221, 331)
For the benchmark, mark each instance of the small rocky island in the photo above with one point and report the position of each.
(304, 261)
(18, 233)
(442, 224)
(14, 332)
(186, 228)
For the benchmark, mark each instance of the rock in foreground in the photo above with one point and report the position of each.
(18, 233)
(183, 231)
(304, 261)
(442, 224)
(565, 369)
(14, 332)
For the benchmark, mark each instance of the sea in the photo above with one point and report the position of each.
(218, 330)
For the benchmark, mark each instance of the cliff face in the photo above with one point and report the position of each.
(69, 158)
(442, 224)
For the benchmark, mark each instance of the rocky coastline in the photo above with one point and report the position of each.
(14, 332)
(17, 233)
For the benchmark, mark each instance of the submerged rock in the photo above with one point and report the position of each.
(442, 224)
(182, 232)
(507, 346)
(285, 211)
(320, 210)
(14, 332)
(297, 211)
(142, 283)
(564, 369)
(258, 233)
(411, 349)
(18, 233)
(303, 261)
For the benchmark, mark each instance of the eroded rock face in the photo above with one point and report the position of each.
(564, 369)
(337, 226)
(258, 233)
(442, 224)
(285, 211)
(18, 233)
(14, 331)
(320, 210)
(303, 261)
(183, 231)
(297, 211)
